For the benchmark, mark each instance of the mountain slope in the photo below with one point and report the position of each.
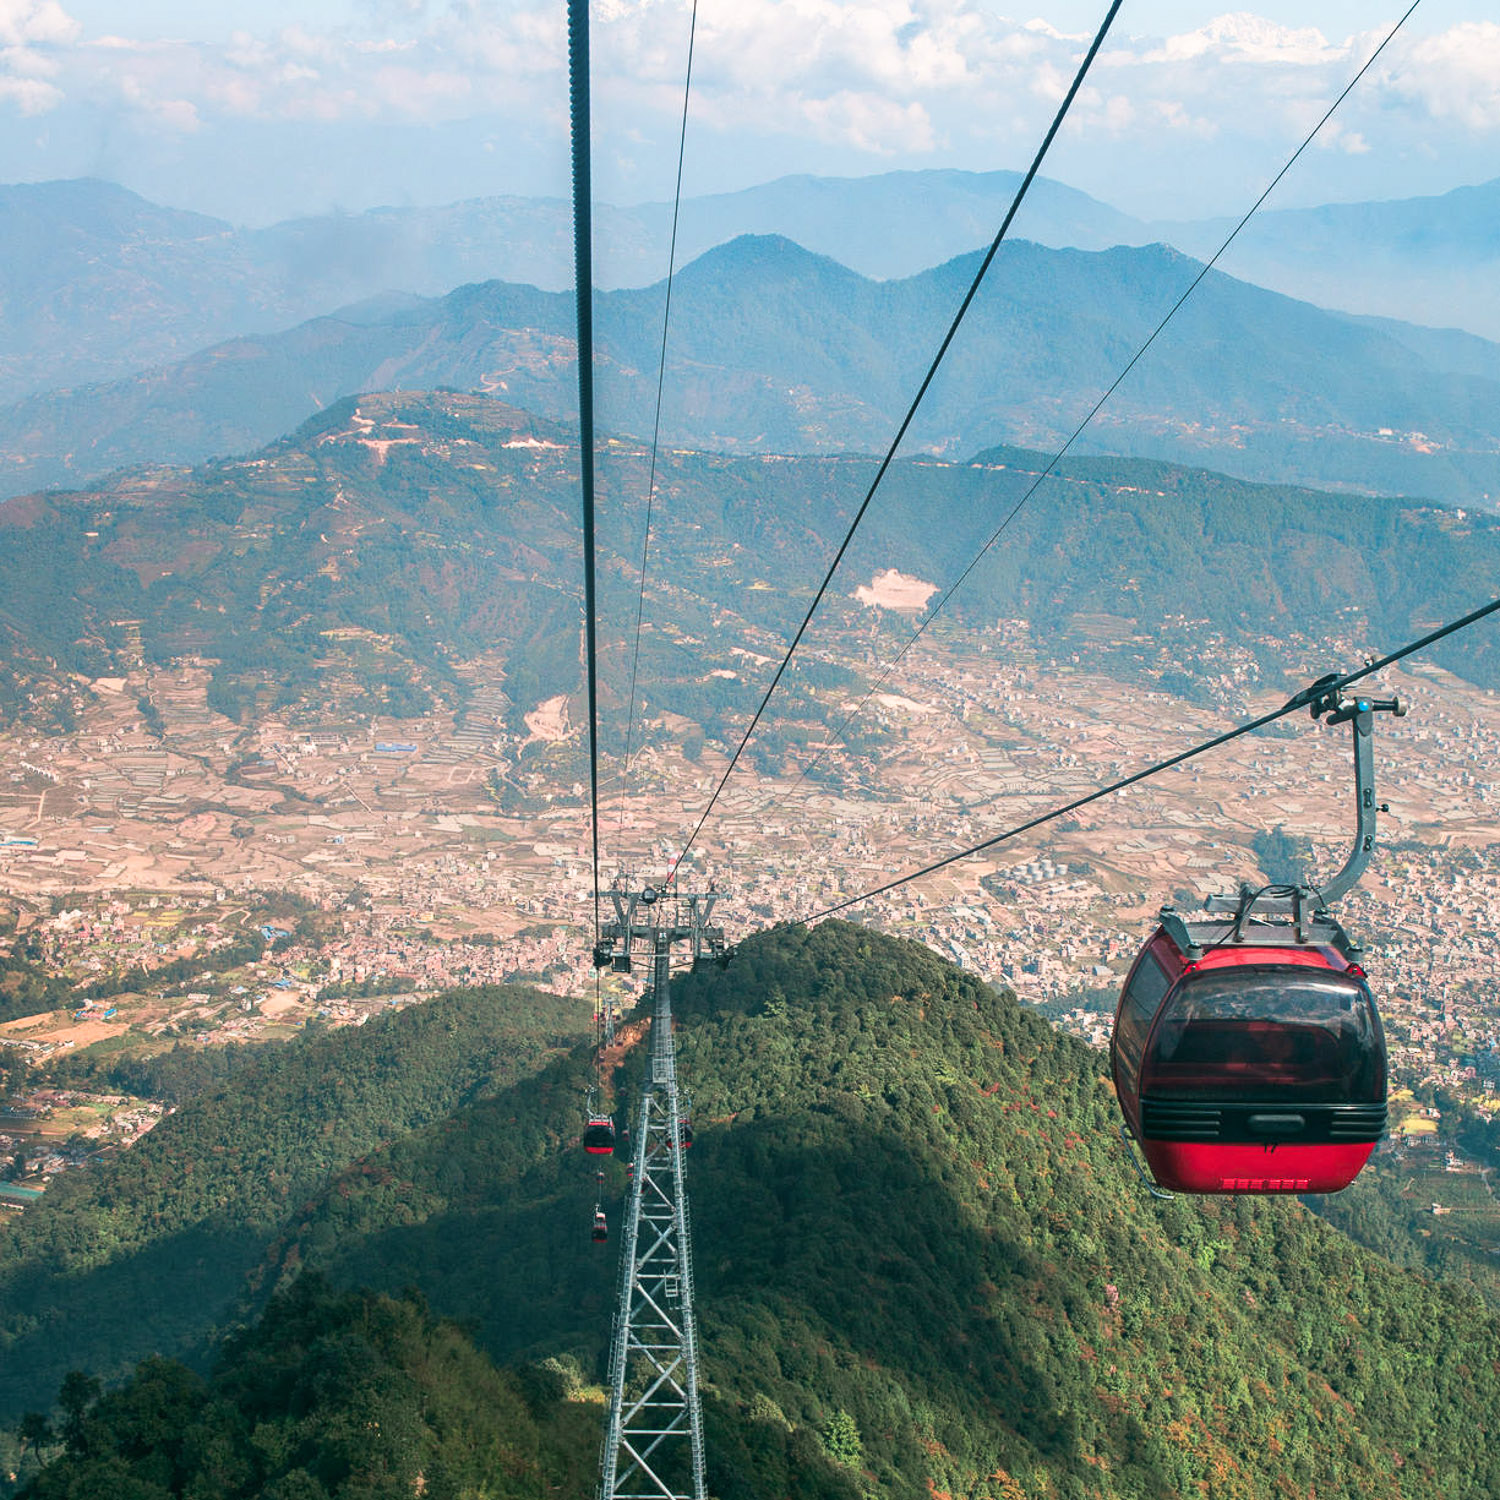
(371, 556)
(96, 282)
(1428, 260)
(910, 1203)
(775, 349)
(168, 282)
(148, 1252)
(911, 1206)
(327, 1396)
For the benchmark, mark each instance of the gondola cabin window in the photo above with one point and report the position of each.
(1147, 986)
(1274, 1036)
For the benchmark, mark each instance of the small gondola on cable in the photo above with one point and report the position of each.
(1248, 1054)
(600, 1232)
(598, 1130)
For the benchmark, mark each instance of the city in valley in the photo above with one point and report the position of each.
(199, 882)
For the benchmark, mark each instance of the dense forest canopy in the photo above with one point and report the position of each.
(923, 1259)
(150, 1250)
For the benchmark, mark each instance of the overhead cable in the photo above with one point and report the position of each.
(1301, 700)
(837, 736)
(906, 421)
(583, 276)
(661, 375)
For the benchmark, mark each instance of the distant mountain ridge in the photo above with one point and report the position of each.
(374, 555)
(96, 282)
(1432, 260)
(776, 349)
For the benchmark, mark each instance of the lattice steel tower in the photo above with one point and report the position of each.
(653, 1444)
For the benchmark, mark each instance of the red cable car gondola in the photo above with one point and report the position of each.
(1247, 1054)
(598, 1131)
(600, 1231)
(599, 1135)
(1250, 1064)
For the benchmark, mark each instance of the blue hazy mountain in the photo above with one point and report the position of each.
(96, 282)
(776, 349)
(1426, 260)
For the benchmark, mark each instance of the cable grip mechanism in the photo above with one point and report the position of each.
(1327, 700)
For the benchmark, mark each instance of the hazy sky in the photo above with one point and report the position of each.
(261, 109)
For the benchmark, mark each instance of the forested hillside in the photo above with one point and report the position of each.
(149, 1251)
(923, 1261)
(327, 1396)
(911, 1205)
(363, 560)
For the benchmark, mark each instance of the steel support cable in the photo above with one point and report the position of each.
(907, 420)
(1301, 700)
(583, 277)
(1057, 458)
(661, 376)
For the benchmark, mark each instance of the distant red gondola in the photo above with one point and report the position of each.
(600, 1231)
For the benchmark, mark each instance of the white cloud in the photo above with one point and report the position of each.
(30, 95)
(1242, 38)
(920, 80)
(179, 116)
(1454, 75)
(27, 62)
(24, 21)
(869, 123)
(29, 31)
(1335, 136)
(1176, 114)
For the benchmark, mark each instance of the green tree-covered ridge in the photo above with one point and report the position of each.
(152, 1250)
(328, 1395)
(778, 350)
(911, 1206)
(326, 570)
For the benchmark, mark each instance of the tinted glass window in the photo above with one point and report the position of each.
(1278, 1035)
(1148, 984)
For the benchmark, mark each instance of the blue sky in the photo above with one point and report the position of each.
(264, 110)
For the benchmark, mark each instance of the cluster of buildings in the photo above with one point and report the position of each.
(455, 849)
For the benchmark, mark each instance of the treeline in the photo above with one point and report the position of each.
(174, 1077)
(911, 1206)
(923, 1260)
(364, 989)
(353, 1396)
(27, 988)
(1284, 857)
(327, 1397)
(247, 948)
(151, 1249)
(1383, 1211)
